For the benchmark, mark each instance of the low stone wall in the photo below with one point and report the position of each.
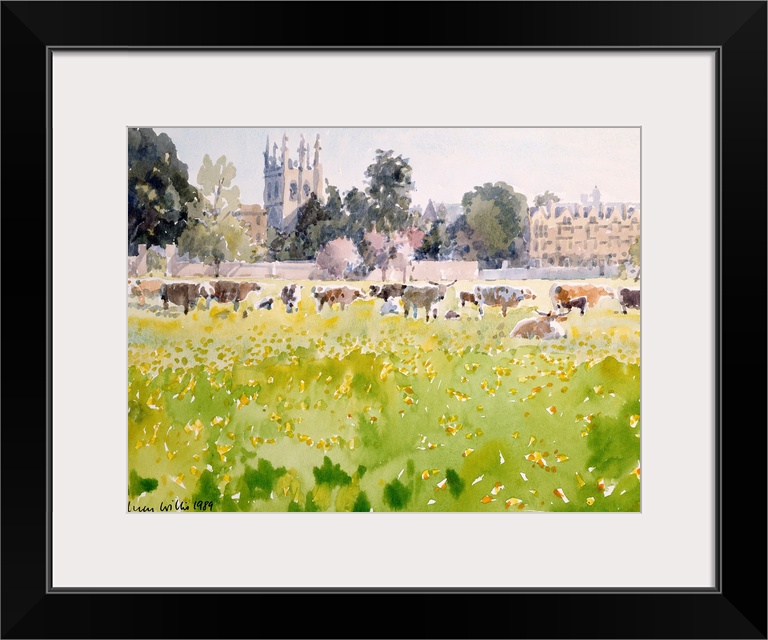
(549, 273)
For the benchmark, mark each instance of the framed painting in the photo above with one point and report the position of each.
(381, 331)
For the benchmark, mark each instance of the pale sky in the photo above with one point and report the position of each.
(446, 162)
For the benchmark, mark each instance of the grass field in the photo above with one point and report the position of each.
(352, 411)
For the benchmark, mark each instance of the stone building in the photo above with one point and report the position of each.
(574, 234)
(289, 182)
(254, 219)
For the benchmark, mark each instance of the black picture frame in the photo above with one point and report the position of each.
(736, 608)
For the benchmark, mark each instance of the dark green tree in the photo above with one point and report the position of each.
(158, 190)
(317, 224)
(389, 187)
(356, 205)
(434, 242)
(494, 216)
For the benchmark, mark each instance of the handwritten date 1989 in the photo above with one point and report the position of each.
(176, 505)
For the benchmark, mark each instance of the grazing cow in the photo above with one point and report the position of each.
(389, 306)
(451, 315)
(266, 303)
(426, 297)
(502, 296)
(236, 292)
(290, 295)
(143, 288)
(561, 293)
(332, 295)
(546, 327)
(184, 294)
(576, 303)
(629, 298)
(386, 291)
(467, 296)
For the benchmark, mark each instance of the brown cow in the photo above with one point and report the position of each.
(576, 303)
(184, 294)
(547, 327)
(226, 291)
(143, 288)
(332, 295)
(386, 291)
(467, 296)
(560, 293)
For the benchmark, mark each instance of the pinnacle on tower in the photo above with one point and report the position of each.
(302, 150)
(317, 150)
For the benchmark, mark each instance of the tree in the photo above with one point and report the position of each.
(389, 188)
(278, 243)
(376, 251)
(434, 242)
(213, 234)
(339, 258)
(545, 198)
(493, 221)
(159, 192)
(316, 225)
(459, 240)
(357, 205)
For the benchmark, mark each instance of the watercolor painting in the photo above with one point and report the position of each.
(383, 320)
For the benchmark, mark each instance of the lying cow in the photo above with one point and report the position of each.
(529, 295)
(386, 291)
(546, 327)
(467, 296)
(184, 294)
(332, 295)
(502, 296)
(576, 303)
(266, 303)
(143, 288)
(290, 295)
(389, 306)
(426, 297)
(225, 291)
(562, 293)
(629, 298)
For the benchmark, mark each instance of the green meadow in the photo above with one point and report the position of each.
(352, 411)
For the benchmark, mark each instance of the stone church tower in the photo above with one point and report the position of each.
(288, 182)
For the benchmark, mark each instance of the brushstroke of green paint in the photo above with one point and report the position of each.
(331, 474)
(138, 485)
(361, 502)
(396, 495)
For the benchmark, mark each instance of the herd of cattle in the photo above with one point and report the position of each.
(546, 326)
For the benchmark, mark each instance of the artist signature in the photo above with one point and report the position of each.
(176, 505)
